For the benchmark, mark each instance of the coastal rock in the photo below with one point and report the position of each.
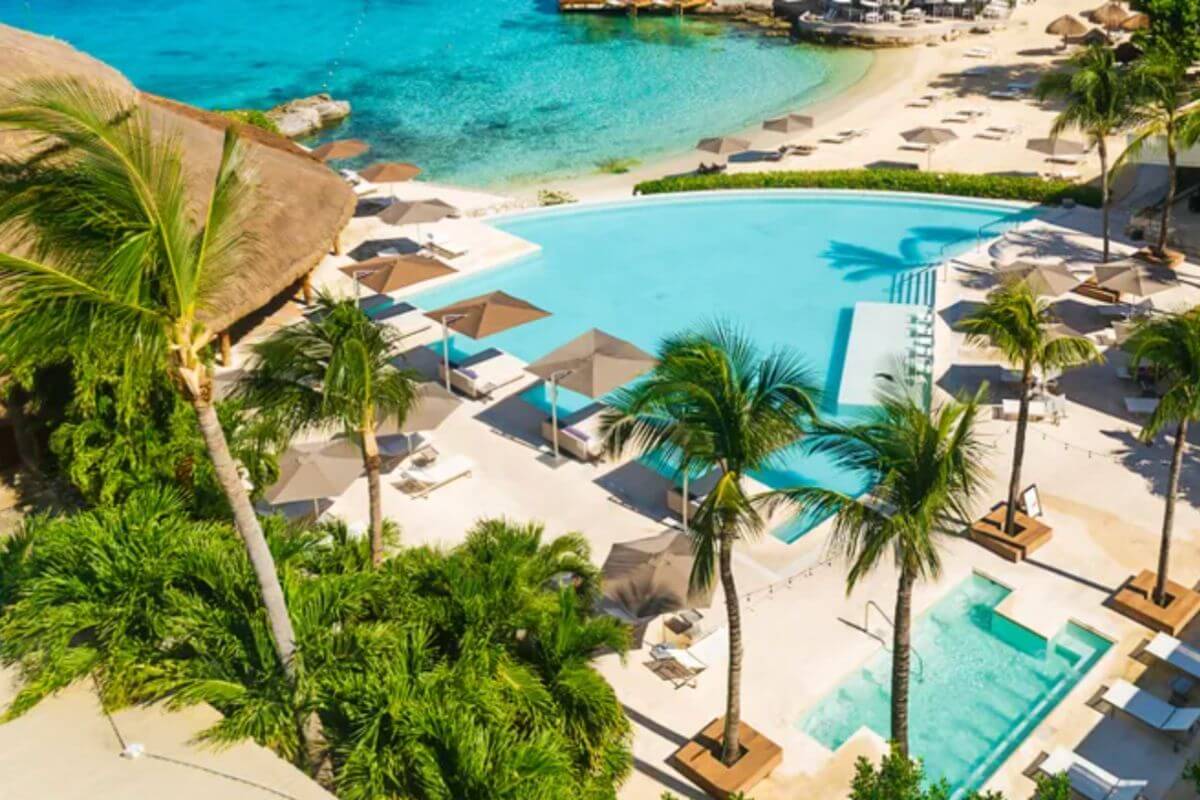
(308, 114)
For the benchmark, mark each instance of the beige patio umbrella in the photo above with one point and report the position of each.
(1066, 26)
(931, 138)
(592, 364)
(652, 576)
(390, 172)
(482, 316)
(386, 274)
(414, 212)
(1135, 277)
(432, 407)
(1110, 16)
(315, 471)
(1055, 146)
(341, 148)
(722, 145)
(1136, 22)
(789, 123)
(1046, 280)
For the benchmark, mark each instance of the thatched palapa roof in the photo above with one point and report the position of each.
(301, 204)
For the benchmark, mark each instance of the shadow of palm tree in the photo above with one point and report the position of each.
(1153, 463)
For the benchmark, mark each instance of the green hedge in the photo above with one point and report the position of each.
(999, 187)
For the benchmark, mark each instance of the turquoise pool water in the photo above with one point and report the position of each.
(788, 268)
(984, 685)
(476, 91)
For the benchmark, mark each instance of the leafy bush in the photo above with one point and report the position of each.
(252, 117)
(999, 187)
(460, 673)
(617, 166)
(899, 778)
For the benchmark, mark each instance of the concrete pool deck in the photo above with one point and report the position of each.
(1101, 491)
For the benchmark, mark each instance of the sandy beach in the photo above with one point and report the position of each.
(881, 101)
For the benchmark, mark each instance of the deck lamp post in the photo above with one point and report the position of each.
(446, 320)
(554, 379)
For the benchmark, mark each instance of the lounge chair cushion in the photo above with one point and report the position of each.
(1150, 709)
(1167, 648)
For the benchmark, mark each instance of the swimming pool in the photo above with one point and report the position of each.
(787, 267)
(475, 91)
(980, 685)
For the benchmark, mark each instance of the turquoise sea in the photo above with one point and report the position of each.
(481, 92)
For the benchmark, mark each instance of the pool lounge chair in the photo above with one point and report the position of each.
(1090, 781)
(579, 433)
(422, 480)
(444, 246)
(405, 318)
(1011, 409)
(1169, 650)
(1152, 711)
(979, 52)
(999, 133)
(1141, 406)
(482, 374)
(1006, 94)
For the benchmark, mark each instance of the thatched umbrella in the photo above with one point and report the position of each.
(592, 364)
(341, 148)
(1109, 15)
(1136, 22)
(390, 172)
(1127, 52)
(386, 274)
(1095, 36)
(482, 316)
(1067, 27)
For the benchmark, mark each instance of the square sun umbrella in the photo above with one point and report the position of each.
(592, 364)
(931, 138)
(390, 172)
(433, 405)
(1135, 277)
(723, 145)
(315, 471)
(340, 148)
(1046, 280)
(482, 316)
(416, 212)
(648, 577)
(790, 123)
(385, 274)
(1055, 147)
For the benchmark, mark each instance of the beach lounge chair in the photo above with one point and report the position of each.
(1005, 94)
(405, 318)
(579, 433)
(444, 246)
(421, 480)
(482, 374)
(1141, 406)
(1152, 711)
(1088, 780)
(979, 52)
(999, 133)
(1169, 650)
(676, 664)
(1011, 409)
(841, 137)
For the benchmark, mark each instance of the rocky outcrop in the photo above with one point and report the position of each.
(308, 114)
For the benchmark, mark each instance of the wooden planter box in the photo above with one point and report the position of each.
(1134, 600)
(1030, 534)
(700, 760)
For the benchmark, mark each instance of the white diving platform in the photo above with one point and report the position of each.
(882, 337)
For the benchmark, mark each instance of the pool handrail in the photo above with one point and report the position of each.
(867, 627)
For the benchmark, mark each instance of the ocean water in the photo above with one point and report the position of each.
(980, 684)
(787, 269)
(481, 92)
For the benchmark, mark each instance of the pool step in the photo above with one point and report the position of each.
(914, 287)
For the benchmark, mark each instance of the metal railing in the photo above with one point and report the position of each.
(867, 627)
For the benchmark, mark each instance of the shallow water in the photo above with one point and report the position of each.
(476, 91)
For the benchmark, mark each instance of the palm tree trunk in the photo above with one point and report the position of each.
(731, 750)
(246, 521)
(370, 449)
(1014, 482)
(1164, 549)
(1102, 149)
(1166, 210)
(901, 663)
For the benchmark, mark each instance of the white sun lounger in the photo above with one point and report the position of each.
(1151, 710)
(1005, 94)
(1141, 405)
(444, 246)
(405, 318)
(999, 133)
(979, 52)
(1169, 650)
(579, 433)
(424, 479)
(1088, 780)
(1011, 409)
(480, 378)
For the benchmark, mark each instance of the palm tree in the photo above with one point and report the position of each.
(106, 244)
(336, 368)
(1098, 103)
(1017, 321)
(714, 403)
(1171, 345)
(1161, 89)
(928, 467)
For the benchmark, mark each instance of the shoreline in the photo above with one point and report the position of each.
(880, 73)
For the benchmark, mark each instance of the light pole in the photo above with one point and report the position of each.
(446, 320)
(357, 285)
(555, 377)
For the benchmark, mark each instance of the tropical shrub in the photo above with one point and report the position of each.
(463, 673)
(899, 778)
(252, 117)
(999, 187)
(616, 166)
